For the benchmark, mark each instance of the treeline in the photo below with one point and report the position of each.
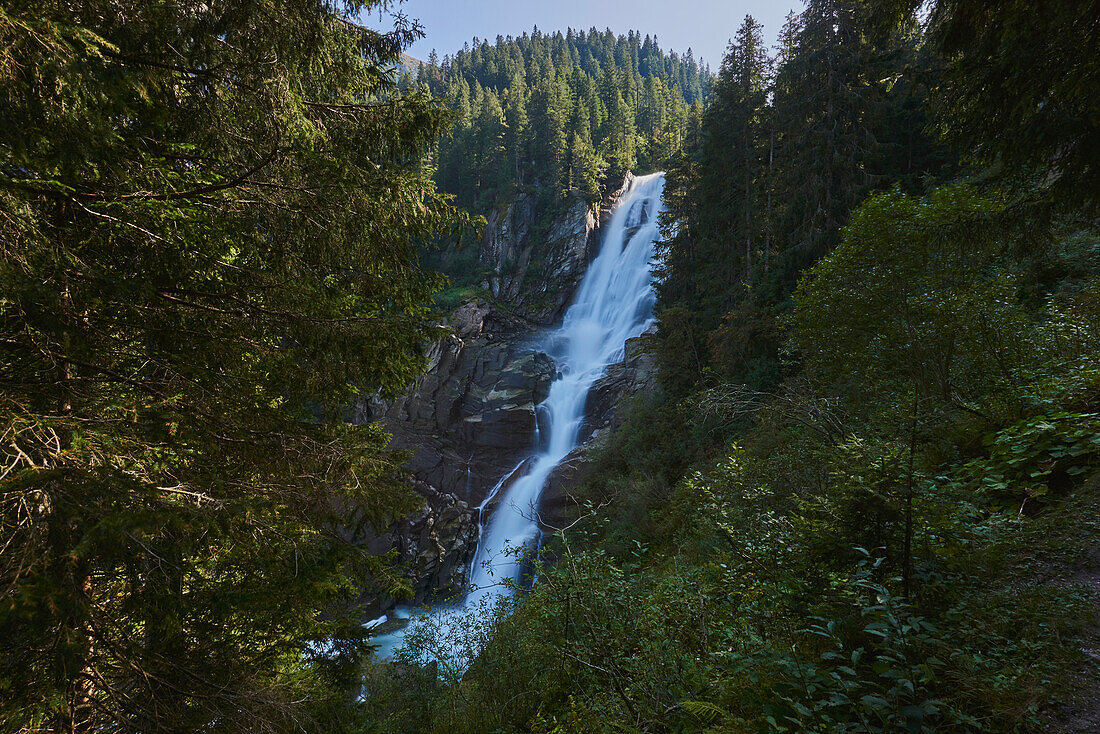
(854, 501)
(560, 112)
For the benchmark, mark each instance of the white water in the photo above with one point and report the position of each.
(614, 303)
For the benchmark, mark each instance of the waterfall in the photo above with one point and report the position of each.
(613, 303)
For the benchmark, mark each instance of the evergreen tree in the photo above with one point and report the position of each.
(827, 99)
(515, 113)
(780, 163)
(489, 140)
(586, 169)
(749, 76)
(623, 96)
(713, 245)
(1019, 87)
(211, 217)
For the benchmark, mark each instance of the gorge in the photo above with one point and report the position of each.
(342, 392)
(613, 304)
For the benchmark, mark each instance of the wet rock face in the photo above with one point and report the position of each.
(471, 417)
(637, 373)
(557, 504)
(537, 269)
(466, 422)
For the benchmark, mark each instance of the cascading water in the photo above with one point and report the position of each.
(614, 303)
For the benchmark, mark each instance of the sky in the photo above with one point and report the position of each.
(705, 26)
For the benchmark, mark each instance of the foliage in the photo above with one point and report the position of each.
(763, 631)
(560, 112)
(948, 323)
(211, 214)
(1020, 87)
(1037, 456)
(637, 468)
(788, 146)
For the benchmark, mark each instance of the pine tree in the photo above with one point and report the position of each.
(586, 169)
(827, 98)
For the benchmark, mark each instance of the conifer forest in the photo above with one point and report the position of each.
(562, 383)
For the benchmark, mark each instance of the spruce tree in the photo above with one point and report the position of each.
(515, 112)
(1020, 86)
(827, 98)
(720, 227)
(780, 163)
(211, 219)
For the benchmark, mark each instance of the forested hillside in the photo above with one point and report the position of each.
(865, 497)
(560, 112)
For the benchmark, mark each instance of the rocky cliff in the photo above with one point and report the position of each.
(535, 269)
(532, 252)
(471, 418)
(466, 422)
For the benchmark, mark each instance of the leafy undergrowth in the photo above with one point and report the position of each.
(751, 617)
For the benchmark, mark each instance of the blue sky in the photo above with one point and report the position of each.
(704, 25)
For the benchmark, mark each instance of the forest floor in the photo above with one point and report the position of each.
(1080, 712)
